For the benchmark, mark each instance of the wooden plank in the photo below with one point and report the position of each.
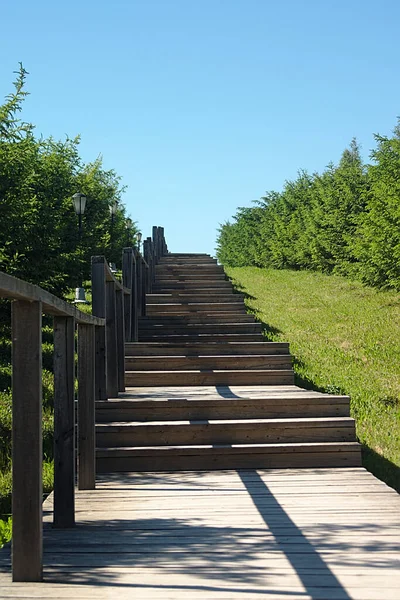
(18, 289)
(86, 410)
(200, 337)
(211, 377)
(64, 422)
(127, 281)
(134, 300)
(99, 309)
(178, 543)
(229, 431)
(111, 341)
(144, 285)
(27, 440)
(210, 349)
(120, 327)
(181, 409)
(218, 362)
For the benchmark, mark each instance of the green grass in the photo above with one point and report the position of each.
(345, 339)
(5, 531)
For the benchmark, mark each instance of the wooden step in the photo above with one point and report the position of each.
(186, 256)
(189, 278)
(189, 261)
(214, 273)
(213, 362)
(171, 255)
(211, 377)
(193, 308)
(223, 404)
(189, 274)
(188, 269)
(195, 298)
(193, 285)
(148, 336)
(198, 318)
(208, 349)
(219, 431)
(231, 456)
(190, 328)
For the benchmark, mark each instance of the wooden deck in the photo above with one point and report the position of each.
(330, 534)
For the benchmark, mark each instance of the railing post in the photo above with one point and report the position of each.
(155, 243)
(86, 407)
(147, 268)
(134, 301)
(64, 422)
(119, 302)
(99, 310)
(149, 259)
(144, 284)
(111, 341)
(139, 280)
(137, 294)
(127, 282)
(27, 534)
(162, 242)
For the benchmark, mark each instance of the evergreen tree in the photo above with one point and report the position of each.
(378, 244)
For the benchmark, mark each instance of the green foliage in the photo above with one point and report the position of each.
(5, 531)
(5, 492)
(345, 339)
(40, 242)
(39, 235)
(378, 246)
(345, 220)
(5, 429)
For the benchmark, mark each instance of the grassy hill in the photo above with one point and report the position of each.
(345, 339)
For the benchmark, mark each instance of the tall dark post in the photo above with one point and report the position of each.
(79, 202)
(113, 212)
(128, 226)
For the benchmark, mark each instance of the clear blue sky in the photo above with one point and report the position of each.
(203, 105)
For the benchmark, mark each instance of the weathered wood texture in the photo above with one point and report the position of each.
(99, 309)
(127, 281)
(120, 331)
(86, 404)
(27, 440)
(64, 421)
(111, 340)
(330, 534)
(18, 289)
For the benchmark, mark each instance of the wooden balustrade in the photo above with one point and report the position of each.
(101, 336)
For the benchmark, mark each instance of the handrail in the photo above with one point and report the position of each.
(18, 289)
(116, 308)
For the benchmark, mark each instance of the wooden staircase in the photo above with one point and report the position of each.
(204, 391)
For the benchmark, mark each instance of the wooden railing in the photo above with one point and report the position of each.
(100, 373)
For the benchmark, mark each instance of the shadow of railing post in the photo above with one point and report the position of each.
(257, 490)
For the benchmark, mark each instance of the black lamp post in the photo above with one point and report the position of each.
(128, 225)
(79, 202)
(139, 239)
(113, 212)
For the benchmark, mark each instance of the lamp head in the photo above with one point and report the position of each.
(79, 202)
(113, 208)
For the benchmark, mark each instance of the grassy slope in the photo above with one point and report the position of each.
(344, 337)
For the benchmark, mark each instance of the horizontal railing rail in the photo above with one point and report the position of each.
(100, 373)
